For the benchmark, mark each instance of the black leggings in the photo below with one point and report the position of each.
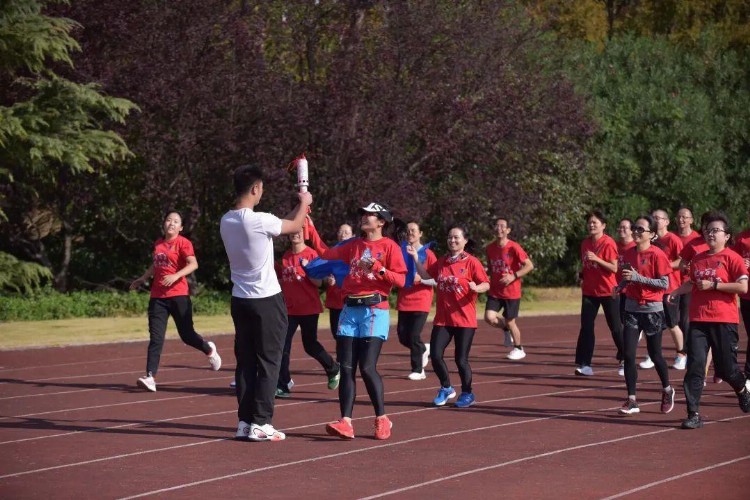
(309, 327)
(441, 337)
(634, 323)
(586, 340)
(334, 315)
(745, 310)
(409, 329)
(362, 352)
(159, 311)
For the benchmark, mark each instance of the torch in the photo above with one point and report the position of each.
(303, 182)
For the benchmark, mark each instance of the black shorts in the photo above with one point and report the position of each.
(671, 312)
(650, 323)
(510, 307)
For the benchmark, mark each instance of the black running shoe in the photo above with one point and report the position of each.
(692, 422)
(744, 397)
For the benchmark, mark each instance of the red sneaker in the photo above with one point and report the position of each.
(383, 427)
(341, 428)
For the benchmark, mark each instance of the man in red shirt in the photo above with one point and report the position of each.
(508, 263)
(687, 235)
(742, 247)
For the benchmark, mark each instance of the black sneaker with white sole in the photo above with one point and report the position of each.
(692, 422)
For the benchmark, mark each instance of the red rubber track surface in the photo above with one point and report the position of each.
(73, 424)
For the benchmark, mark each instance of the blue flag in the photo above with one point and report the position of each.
(320, 269)
(411, 267)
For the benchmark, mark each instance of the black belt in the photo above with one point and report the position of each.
(372, 299)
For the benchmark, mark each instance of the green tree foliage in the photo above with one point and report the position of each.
(52, 133)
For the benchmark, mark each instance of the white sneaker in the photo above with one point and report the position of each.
(233, 384)
(516, 354)
(508, 340)
(243, 430)
(584, 370)
(264, 433)
(147, 383)
(646, 364)
(426, 355)
(290, 384)
(213, 357)
(680, 362)
(621, 370)
(417, 375)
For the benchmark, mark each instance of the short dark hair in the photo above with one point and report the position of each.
(245, 177)
(173, 211)
(628, 220)
(651, 222)
(502, 217)
(714, 216)
(598, 214)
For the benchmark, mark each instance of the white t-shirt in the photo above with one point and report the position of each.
(248, 241)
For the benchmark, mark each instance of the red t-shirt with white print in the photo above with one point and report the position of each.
(502, 261)
(169, 257)
(456, 304)
(598, 281)
(713, 305)
(300, 294)
(418, 297)
(387, 255)
(650, 263)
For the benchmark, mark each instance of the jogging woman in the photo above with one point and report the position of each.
(303, 308)
(716, 278)
(645, 276)
(376, 265)
(414, 304)
(599, 258)
(173, 259)
(460, 279)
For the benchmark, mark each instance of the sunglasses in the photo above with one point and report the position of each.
(640, 230)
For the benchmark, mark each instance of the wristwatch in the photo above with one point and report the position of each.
(382, 271)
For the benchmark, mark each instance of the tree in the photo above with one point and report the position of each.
(51, 134)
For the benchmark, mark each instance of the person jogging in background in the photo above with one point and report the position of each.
(173, 259)
(645, 275)
(414, 304)
(258, 309)
(303, 309)
(460, 279)
(376, 265)
(671, 245)
(508, 263)
(742, 247)
(687, 235)
(334, 295)
(624, 243)
(717, 276)
(598, 278)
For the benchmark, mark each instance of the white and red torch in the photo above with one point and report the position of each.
(303, 182)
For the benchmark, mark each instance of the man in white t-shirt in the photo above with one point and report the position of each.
(258, 308)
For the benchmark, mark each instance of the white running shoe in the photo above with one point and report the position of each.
(646, 364)
(243, 430)
(417, 375)
(213, 357)
(147, 383)
(516, 354)
(290, 384)
(264, 433)
(621, 370)
(680, 362)
(233, 384)
(584, 370)
(426, 355)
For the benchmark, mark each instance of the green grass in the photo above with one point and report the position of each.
(76, 331)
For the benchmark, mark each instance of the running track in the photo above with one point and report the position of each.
(73, 425)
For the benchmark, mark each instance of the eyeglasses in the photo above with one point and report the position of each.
(640, 230)
(713, 230)
(683, 217)
(656, 217)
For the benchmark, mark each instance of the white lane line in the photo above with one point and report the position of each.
(317, 424)
(423, 438)
(675, 478)
(520, 460)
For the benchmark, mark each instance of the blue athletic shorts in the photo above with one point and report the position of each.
(364, 322)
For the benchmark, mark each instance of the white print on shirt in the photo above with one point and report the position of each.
(450, 284)
(358, 273)
(499, 266)
(161, 260)
(708, 274)
(289, 274)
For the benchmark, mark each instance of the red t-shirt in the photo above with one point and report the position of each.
(690, 237)
(456, 304)
(621, 249)
(671, 245)
(417, 297)
(742, 247)
(712, 305)
(650, 263)
(300, 294)
(696, 246)
(169, 257)
(597, 281)
(503, 261)
(387, 255)
(686, 240)
(334, 294)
